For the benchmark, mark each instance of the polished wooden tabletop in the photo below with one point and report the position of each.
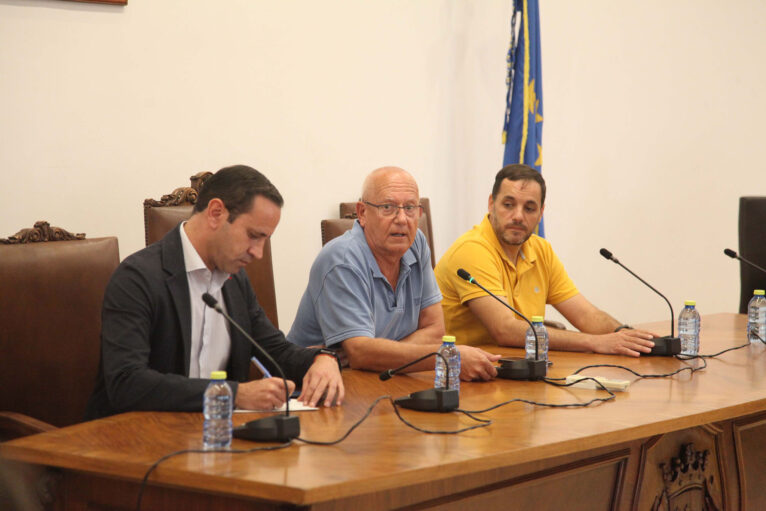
(383, 453)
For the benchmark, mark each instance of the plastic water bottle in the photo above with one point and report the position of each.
(451, 353)
(756, 317)
(689, 328)
(542, 340)
(216, 432)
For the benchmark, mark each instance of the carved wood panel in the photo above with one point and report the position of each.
(42, 231)
(682, 471)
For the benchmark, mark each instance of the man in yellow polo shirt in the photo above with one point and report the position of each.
(504, 255)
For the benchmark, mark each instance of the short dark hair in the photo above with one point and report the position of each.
(519, 172)
(236, 186)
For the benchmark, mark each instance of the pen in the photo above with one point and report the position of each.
(264, 371)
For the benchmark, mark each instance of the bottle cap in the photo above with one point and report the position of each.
(690, 302)
(759, 292)
(218, 375)
(537, 319)
(448, 338)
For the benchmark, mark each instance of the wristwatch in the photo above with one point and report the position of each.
(621, 327)
(331, 353)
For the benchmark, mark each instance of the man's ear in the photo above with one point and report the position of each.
(361, 207)
(489, 203)
(216, 213)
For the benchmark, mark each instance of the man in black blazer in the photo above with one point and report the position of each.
(152, 330)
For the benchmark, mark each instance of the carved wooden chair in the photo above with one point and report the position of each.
(332, 228)
(163, 215)
(52, 285)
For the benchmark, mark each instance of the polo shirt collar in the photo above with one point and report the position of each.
(527, 254)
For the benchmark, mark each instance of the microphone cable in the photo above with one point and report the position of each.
(628, 369)
(554, 382)
(201, 451)
(484, 423)
(690, 357)
(681, 357)
(352, 428)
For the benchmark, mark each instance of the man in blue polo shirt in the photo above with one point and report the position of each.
(373, 292)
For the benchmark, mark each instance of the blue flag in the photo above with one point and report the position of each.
(523, 129)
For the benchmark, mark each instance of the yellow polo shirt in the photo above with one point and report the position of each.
(539, 279)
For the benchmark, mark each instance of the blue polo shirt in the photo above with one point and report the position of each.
(348, 296)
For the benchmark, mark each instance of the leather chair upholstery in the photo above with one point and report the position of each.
(50, 311)
(159, 220)
(333, 228)
(752, 246)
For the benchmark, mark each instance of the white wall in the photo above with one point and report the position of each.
(102, 106)
(653, 128)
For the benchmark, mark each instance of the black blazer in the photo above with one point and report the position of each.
(146, 335)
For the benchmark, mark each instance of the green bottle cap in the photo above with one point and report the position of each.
(537, 319)
(218, 375)
(690, 302)
(759, 292)
(448, 338)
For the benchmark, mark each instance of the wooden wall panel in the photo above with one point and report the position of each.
(750, 446)
(588, 485)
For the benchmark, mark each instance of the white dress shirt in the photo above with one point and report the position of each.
(210, 339)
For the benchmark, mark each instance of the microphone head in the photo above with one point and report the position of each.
(729, 252)
(386, 375)
(209, 300)
(463, 274)
(607, 254)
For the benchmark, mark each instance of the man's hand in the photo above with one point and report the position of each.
(322, 378)
(262, 394)
(627, 341)
(476, 364)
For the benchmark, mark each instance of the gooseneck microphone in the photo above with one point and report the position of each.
(389, 373)
(514, 368)
(277, 428)
(663, 346)
(729, 252)
(431, 400)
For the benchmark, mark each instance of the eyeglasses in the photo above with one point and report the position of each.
(393, 210)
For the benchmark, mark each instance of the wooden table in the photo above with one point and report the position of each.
(697, 440)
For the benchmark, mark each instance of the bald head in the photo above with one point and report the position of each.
(385, 177)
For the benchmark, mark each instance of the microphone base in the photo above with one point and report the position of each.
(277, 428)
(431, 400)
(516, 368)
(665, 347)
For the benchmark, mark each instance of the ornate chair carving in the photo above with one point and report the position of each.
(163, 215)
(51, 288)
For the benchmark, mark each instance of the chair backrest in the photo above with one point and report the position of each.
(50, 316)
(348, 211)
(163, 215)
(752, 246)
(334, 227)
